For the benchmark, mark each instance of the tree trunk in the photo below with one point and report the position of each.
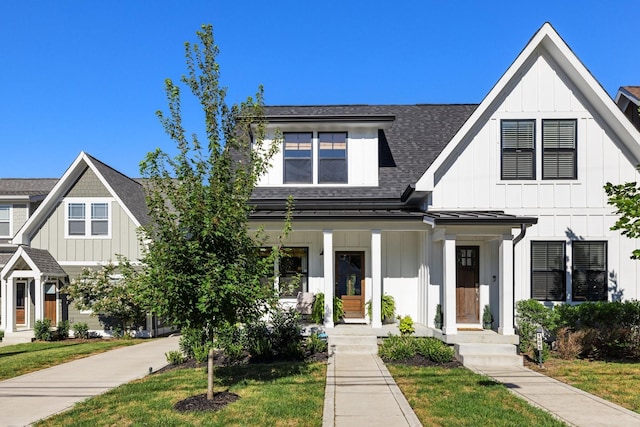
(210, 375)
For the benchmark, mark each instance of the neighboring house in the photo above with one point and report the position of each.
(57, 228)
(454, 205)
(459, 205)
(628, 99)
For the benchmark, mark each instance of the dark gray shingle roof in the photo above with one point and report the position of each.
(416, 137)
(45, 262)
(129, 190)
(26, 186)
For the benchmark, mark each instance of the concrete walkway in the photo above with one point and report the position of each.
(573, 406)
(361, 392)
(32, 397)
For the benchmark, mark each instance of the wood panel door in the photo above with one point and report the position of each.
(467, 284)
(50, 303)
(21, 298)
(349, 282)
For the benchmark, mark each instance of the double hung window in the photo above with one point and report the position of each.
(88, 219)
(548, 278)
(518, 149)
(559, 149)
(332, 157)
(589, 274)
(5, 221)
(298, 158)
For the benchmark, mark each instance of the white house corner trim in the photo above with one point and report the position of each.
(376, 278)
(327, 239)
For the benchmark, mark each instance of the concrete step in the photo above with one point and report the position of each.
(16, 339)
(488, 354)
(353, 344)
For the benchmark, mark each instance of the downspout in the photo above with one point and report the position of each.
(516, 240)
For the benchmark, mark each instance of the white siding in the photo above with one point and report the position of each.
(566, 209)
(362, 158)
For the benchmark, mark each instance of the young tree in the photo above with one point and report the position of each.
(108, 291)
(201, 267)
(626, 198)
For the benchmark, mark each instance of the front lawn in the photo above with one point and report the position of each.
(274, 394)
(458, 397)
(19, 359)
(617, 381)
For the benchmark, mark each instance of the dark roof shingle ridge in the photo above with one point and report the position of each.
(372, 105)
(112, 169)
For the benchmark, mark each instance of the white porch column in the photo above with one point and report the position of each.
(449, 325)
(39, 290)
(376, 278)
(10, 322)
(327, 239)
(505, 256)
(4, 301)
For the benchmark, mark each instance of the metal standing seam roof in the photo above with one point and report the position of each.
(406, 149)
(476, 218)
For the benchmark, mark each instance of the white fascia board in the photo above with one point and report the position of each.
(23, 236)
(18, 254)
(113, 193)
(549, 40)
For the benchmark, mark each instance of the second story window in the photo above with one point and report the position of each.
(332, 158)
(518, 149)
(559, 149)
(298, 158)
(88, 219)
(5, 221)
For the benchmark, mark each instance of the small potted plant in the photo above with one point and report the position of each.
(487, 318)
(437, 321)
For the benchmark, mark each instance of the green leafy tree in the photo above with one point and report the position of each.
(109, 290)
(201, 268)
(626, 199)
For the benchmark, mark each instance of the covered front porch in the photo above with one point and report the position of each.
(30, 282)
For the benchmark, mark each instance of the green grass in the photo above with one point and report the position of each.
(617, 382)
(459, 397)
(279, 394)
(21, 359)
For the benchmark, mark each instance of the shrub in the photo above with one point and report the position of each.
(201, 351)
(231, 340)
(434, 350)
(258, 343)
(42, 330)
(437, 320)
(315, 344)
(81, 330)
(396, 347)
(1, 335)
(286, 341)
(175, 357)
(63, 329)
(191, 337)
(406, 326)
(531, 314)
(569, 343)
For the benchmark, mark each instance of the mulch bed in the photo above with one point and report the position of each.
(201, 403)
(419, 360)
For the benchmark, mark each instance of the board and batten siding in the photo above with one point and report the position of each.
(362, 158)
(567, 210)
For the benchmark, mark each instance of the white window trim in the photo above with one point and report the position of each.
(315, 158)
(10, 220)
(88, 201)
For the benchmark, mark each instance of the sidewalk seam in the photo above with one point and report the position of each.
(328, 411)
(409, 415)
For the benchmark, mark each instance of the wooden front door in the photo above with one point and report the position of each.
(350, 283)
(50, 303)
(21, 298)
(467, 284)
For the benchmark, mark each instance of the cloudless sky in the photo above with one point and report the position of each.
(89, 76)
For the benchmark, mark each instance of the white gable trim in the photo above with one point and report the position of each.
(23, 236)
(549, 41)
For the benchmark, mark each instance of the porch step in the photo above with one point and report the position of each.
(479, 354)
(353, 344)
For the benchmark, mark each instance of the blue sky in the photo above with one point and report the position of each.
(88, 76)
